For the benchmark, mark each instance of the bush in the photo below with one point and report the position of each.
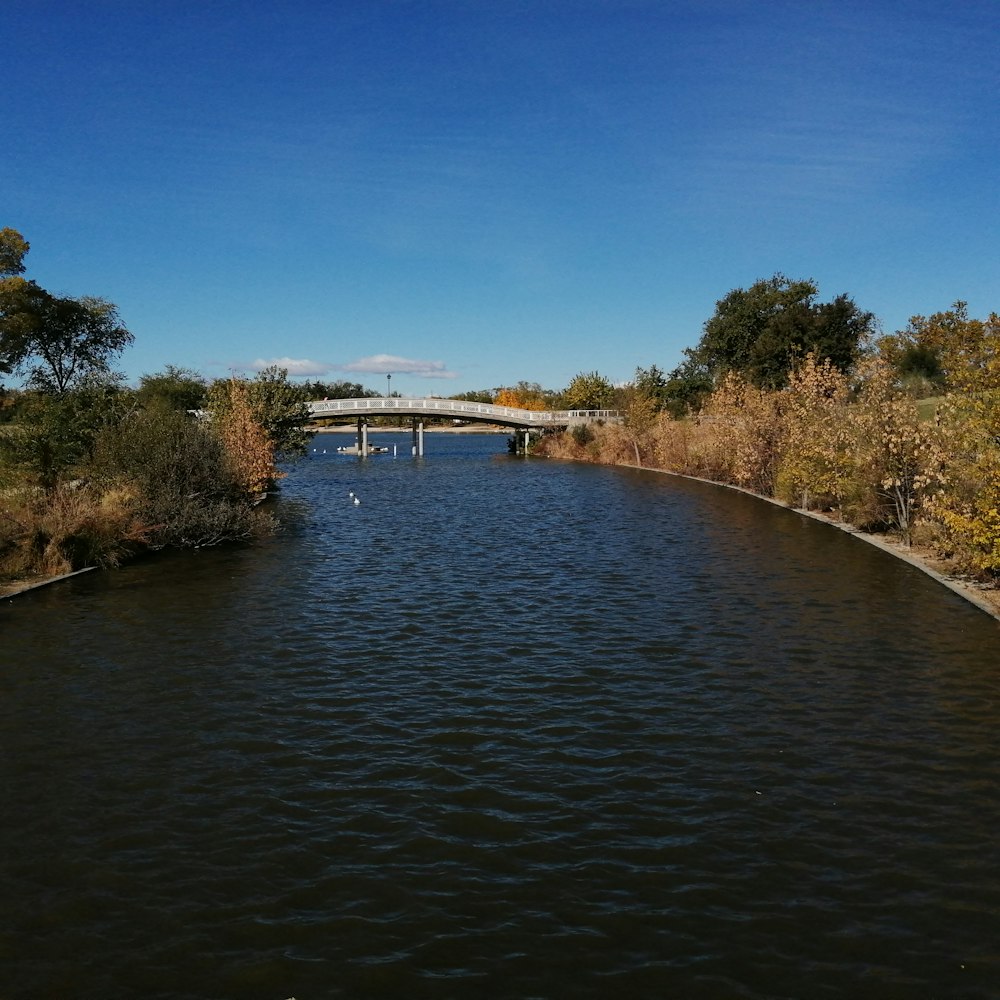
(49, 533)
(185, 490)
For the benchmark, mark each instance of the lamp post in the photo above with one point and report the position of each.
(388, 383)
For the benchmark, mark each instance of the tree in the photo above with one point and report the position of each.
(651, 383)
(13, 248)
(815, 451)
(172, 389)
(337, 390)
(741, 435)
(178, 480)
(249, 449)
(523, 396)
(945, 346)
(277, 405)
(899, 461)
(588, 391)
(54, 341)
(688, 386)
(764, 331)
(474, 396)
(968, 508)
(54, 435)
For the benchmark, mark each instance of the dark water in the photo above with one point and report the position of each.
(507, 729)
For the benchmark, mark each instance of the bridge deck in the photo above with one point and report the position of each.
(457, 409)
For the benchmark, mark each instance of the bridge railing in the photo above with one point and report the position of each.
(456, 409)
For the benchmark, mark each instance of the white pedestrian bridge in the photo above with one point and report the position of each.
(457, 409)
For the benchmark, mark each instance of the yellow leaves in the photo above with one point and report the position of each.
(519, 399)
(249, 449)
(741, 430)
(814, 457)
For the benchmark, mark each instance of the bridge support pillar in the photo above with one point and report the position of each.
(418, 438)
(520, 440)
(362, 437)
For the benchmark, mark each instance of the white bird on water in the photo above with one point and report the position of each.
(357, 502)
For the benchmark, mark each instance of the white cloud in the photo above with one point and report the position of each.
(294, 366)
(382, 364)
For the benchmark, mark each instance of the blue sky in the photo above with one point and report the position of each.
(468, 193)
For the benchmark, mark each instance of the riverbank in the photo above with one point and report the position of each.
(987, 599)
(10, 589)
(14, 588)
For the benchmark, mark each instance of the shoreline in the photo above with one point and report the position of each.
(14, 588)
(986, 599)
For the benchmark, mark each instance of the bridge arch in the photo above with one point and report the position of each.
(458, 409)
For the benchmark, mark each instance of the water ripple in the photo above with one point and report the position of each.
(508, 729)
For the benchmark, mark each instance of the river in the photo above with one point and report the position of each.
(507, 728)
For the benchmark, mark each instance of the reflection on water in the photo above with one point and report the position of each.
(507, 729)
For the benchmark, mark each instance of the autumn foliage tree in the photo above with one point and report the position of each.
(816, 451)
(968, 507)
(276, 405)
(523, 396)
(249, 450)
(898, 458)
(741, 430)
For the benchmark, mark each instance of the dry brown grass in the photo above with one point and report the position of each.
(49, 534)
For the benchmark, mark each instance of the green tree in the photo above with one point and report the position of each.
(475, 396)
(341, 389)
(588, 391)
(53, 436)
(172, 389)
(651, 383)
(688, 386)
(764, 331)
(55, 342)
(178, 480)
